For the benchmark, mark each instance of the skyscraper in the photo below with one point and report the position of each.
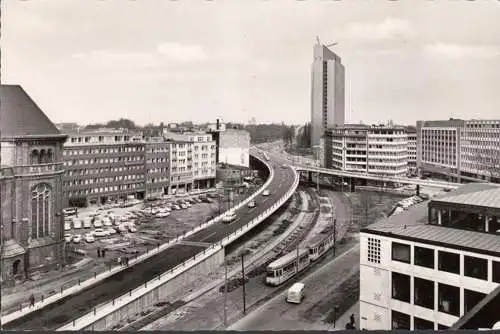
(327, 92)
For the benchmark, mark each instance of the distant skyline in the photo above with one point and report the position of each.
(171, 61)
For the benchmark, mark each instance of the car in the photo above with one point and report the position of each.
(183, 206)
(97, 223)
(77, 223)
(68, 237)
(110, 230)
(99, 232)
(132, 229)
(67, 226)
(167, 209)
(77, 238)
(229, 217)
(162, 214)
(89, 238)
(87, 222)
(107, 222)
(284, 166)
(251, 204)
(70, 211)
(176, 207)
(266, 193)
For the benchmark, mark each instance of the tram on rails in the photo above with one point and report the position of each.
(284, 268)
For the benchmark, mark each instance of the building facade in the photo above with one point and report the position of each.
(427, 267)
(157, 166)
(459, 150)
(103, 166)
(380, 150)
(327, 92)
(412, 148)
(192, 157)
(31, 170)
(234, 147)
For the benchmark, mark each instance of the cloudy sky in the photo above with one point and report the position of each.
(166, 60)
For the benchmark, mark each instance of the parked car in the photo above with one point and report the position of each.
(183, 206)
(132, 229)
(97, 223)
(162, 214)
(68, 237)
(77, 238)
(70, 211)
(99, 232)
(89, 238)
(77, 223)
(87, 222)
(110, 230)
(107, 222)
(266, 193)
(67, 226)
(176, 207)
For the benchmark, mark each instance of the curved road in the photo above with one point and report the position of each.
(63, 311)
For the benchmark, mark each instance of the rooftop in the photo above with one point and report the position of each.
(485, 195)
(412, 225)
(21, 116)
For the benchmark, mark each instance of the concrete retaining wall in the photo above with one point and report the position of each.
(171, 290)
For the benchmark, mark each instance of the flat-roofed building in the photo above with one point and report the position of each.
(103, 165)
(412, 148)
(157, 163)
(427, 267)
(31, 171)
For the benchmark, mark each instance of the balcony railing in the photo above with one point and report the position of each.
(39, 169)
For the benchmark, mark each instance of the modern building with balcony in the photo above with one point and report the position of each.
(103, 165)
(31, 171)
(376, 149)
(428, 267)
(193, 156)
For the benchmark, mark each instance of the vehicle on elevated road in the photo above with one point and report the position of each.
(266, 193)
(251, 204)
(229, 217)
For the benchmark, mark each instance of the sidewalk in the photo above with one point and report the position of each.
(345, 318)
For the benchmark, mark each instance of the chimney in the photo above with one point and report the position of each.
(217, 124)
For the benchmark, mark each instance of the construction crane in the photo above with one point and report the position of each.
(327, 45)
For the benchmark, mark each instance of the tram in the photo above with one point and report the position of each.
(285, 267)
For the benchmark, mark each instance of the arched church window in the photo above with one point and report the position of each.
(41, 210)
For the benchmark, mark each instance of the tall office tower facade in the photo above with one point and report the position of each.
(327, 92)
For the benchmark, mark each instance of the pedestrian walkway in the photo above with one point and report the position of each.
(346, 317)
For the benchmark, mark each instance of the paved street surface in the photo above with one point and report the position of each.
(71, 307)
(277, 314)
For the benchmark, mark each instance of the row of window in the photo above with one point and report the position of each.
(448, 298)
(103, 160)
(402, 321)
(105, 189)
(156, 160)
(474, 267)
(103, 150)
(104, 180)
(92, 171)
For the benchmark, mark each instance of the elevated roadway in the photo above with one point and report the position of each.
(365, 176)
(71, 307)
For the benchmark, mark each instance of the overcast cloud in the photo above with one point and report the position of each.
(160, 60)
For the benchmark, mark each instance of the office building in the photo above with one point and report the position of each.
(234, 147)
(31, 172)
(459, 150)
(327, 92)
(376, 149)
(427, 267)
(103, 165)
(157, 166)
(412, 148)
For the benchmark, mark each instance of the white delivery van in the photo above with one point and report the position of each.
(296, 293)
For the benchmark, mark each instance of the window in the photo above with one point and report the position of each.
(400, 320)
(40, 211)
(449, 262)
(419, 323)
(471, 298)
(423, 293)
(449, 299)
(373, 250)
(475, 267)
(401, 252)
(401, 287)
(496, 271)
(424, 257)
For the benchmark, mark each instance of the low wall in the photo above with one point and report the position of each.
(171, 290)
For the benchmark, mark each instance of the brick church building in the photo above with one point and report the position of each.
(31, 170)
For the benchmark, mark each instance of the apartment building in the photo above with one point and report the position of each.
(103, 165)
(375, 149)
(459, 150)
(427, 267)
(157, 166)
(192, 157)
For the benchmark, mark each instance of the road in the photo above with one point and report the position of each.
(58, 314)
(277, 314)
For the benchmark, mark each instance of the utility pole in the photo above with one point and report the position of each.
(225, 291)
(243, 275)
(334, 236)
(317, 182)
(297, 258)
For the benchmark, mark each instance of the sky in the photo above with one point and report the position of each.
(177, 60)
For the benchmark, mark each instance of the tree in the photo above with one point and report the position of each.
(122, 123)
